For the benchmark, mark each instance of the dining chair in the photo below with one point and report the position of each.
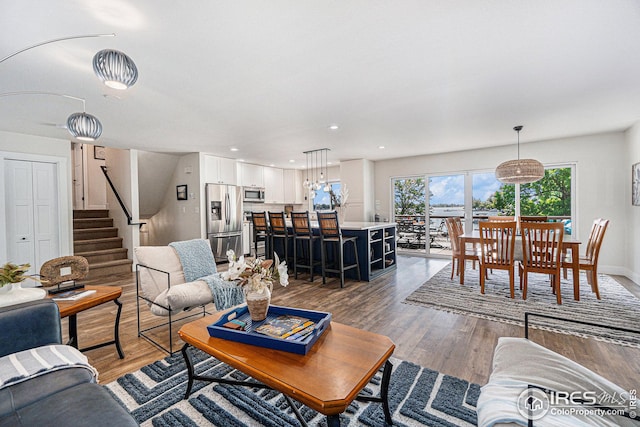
(541, 253)
(459, 254)
(260, 232)
(279, 232)
(304, 238)
(503, 218)
(497, 246)
(331, 235)
(589, 262)
(532, 218)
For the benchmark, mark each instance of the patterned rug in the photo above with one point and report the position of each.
(617, 306)
(417, 396)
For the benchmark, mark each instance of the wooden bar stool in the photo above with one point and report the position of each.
(330, 234)
(303, 235)
(279, 231)
(260, 232)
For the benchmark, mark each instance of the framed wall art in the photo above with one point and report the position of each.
(635, 184)
(181, 192)
(98, 152)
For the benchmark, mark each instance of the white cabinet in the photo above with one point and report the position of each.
(293, 190)
(273, 185)
(251, 175)
(219, 170)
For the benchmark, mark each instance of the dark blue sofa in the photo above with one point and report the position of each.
(66, 397)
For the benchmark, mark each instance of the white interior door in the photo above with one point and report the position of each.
(31, 206)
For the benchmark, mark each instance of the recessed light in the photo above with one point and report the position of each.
(329, 163)
(271, 165)
(381, 147)
(334, 127)
(292, 161)
(241, 160)
(233, 149)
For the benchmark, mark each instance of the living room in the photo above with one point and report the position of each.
(566, 123)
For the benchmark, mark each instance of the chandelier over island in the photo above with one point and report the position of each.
(317, 173)
(520, 171)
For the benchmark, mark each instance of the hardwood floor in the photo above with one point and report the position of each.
(457, 345)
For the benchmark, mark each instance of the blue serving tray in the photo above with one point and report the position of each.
(249, 336)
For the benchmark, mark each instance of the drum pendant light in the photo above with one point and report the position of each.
(520, 171)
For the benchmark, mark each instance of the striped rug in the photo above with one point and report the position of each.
(417, 397)
(617, 306)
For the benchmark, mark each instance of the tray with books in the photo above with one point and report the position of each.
(288, 329)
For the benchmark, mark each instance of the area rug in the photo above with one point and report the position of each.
(417, 396)
(617, 306)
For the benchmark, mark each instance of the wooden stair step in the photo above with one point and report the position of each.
(109, 268)
(95, 233)
(90, 245)
(104, 255)
(84, 223)
(90, 213)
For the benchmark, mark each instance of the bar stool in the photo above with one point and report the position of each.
(330, 233)
(260, 231)
(279, 230)
(303, 234)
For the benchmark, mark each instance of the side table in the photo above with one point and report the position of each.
(102, 295)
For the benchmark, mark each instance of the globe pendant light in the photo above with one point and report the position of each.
(115, 69)
(520, 171)
(84, 127)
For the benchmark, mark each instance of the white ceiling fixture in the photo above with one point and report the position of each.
(520, 171)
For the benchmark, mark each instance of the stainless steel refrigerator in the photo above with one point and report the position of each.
(224, 219)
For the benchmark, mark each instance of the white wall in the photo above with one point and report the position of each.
(180, 219)
(633, 212)
(36, 148)
(122, 167)
(602, 183)
(95, 185)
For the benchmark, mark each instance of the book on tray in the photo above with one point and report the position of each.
(287, 327)
(73, 295)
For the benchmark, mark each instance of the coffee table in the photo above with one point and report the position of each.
(102, 295)
(327, 379)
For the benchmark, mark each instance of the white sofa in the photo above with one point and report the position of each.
(518, 362)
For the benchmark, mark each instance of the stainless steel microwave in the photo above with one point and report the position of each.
(253, 194)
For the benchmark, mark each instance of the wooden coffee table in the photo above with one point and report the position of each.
(72, 308)
(327, 379)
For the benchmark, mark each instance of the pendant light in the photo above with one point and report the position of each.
(520, 171)
(316, 169)
(115, 69)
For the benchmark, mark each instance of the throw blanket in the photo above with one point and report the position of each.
(27, 364)
(198, 264)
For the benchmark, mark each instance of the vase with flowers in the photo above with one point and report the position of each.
(11, 290)
(256, 277)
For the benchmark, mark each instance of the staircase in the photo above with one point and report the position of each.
(96, 239)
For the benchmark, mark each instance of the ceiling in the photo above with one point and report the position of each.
(270, 77)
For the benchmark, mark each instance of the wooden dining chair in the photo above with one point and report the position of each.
(497, 246)
(530, 218)
(502, 218)
(589, 262)
(459, 254)
(541, 253)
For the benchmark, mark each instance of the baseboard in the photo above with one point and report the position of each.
(620, 271)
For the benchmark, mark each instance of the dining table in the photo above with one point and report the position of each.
(569, 243)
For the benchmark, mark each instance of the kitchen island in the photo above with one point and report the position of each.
(376, 245)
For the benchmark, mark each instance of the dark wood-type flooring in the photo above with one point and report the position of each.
(457, 345)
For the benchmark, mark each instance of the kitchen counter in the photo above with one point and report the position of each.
(354, 225)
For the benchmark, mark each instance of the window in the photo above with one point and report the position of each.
(323, 200)
(551, 196)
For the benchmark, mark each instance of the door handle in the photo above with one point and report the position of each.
(228, 208)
